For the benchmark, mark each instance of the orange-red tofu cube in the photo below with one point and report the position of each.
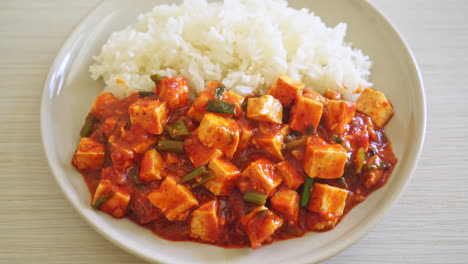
(174, 200)
(174, 91)
(246, 133)
(198, 153)
(260, 224)
(108, 198)
(265, 109)
(340, 114)
(305, 112)
(137, 139)
(328, 201)
(204, 223)
(108, 125)
(322, 160)
(375, 105)
(220, 133)
(102, 102)
(270, 138)
(285, 89)
(89, 154)
(150, 115)
(122, 157)
(260, 176)
(151, 166)
(292, 178)
(226, 175)
(286, 203)
(315, 222)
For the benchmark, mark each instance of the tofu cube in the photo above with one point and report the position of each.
(138, 139)
(109, 199)
(108, 125)
(270, 139)
(150, 115)
(220, 133)
(226, 177)
(315, 222)
(375, 105)
(122, 157)
(151, 166)
(292, 178)
(198, 109)
(260, 224)
(174, 91)
(260, 176)
(339, 115)
(328, 201)
(286, 203)
(305, 112)
(102, 101)
(198, 153)
(173, 199)
(285, 89)
(246, 133)
(89, 154)
(322, 160)
(204, 223)
(265, 109)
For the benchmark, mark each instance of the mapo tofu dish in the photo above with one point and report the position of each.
(234, 171)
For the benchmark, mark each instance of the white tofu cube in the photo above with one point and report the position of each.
(122, 157)
(89, 154)
(322, 160)
(226, 175)
(220, 133)
(174, 91)
(286, 203)
(305, 112)
(150, 115)
(328, 201)
(292, 178)
(108, 198)
(375, 105)
(270, 138)
(265, 109)
(339, 115)
(260, 224)
(204, 223)
(260, 176)
(285, 89)
(151, 166)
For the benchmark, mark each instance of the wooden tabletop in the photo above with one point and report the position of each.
(428, 225)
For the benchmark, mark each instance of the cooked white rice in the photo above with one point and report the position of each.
(245, 44)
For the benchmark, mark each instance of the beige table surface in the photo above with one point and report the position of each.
(428, 225)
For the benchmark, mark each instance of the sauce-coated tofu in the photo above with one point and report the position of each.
(285, 89)
(198, 153)
(108, 125)
(220, 133)
(265, 109)
(226, 177)
(322, 160)
(204, 223)
(375, 105)
(305, 112)
(137, 139)
(292, 178)
(260, 224)
(328, 201)
(113, 201)
(122, 157)
(340, 114)
(174, 200)
(151, 166)
(174, 91)
(270, 138)
(150, 115)
(246, 133)
(260, 176)
(101, 102)
(286, 203)
(89, 154)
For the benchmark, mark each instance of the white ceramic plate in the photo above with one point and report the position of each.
(69, 92)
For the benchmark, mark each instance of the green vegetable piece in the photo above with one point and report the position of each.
(337, 139)
(221, 107)
(311, 130)
(305, 197)
(261, 213)
(136, 180)
(206, 179)
(88, 126)
(343, 183)
(359, 160)
(178, 129)
(101, 200)
(200, 171)
(219, 92)
(294, 144)
(144, 94)
(171, 146)
(254, 197)
(156, 78)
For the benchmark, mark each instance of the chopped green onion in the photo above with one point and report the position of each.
(178, 129)
(221, 107)
(254, 197)
(202, 170)
(156, 78)
(144, 94)
(311, 130)
(261, 213)
(136, 180)
(294, 144)
(88, 126)
(171, 146)
(219, 92)
(337, 139)
(101, 200)
(343, 183)
(206, 179)
(305, 197)
(360, 159)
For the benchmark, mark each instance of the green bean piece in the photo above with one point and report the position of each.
(219, 92)
(136, 180)
(294, 144)
(144, 94)
(261, 213)
(101, 200)
(337, 139)
(343, 183)
(221, 107)
(204, 180)
(311, 130)
(156, 78)
(254, 197)
(171, 146)
(88, 126)
(305, 197)
(360, 159)
(178, 129)
(200, 171)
